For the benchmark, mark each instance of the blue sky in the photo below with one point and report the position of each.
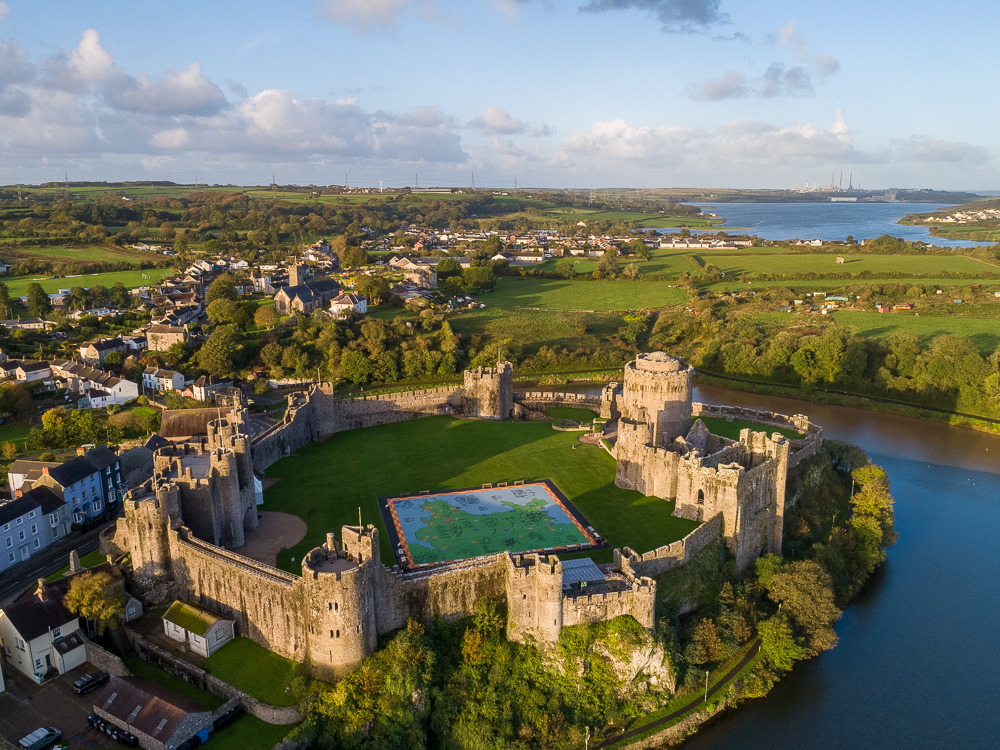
(645, 93)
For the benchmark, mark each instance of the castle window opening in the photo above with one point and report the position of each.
(331, 634)
(701, 497)
(336, 606)
(338, 634)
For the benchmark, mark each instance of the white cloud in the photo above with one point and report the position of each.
(622, 141)
(497, 121)
(4, 11)
(178, 92)
(173, 138)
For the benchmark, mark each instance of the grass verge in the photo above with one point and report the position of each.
(259, 673)
(142, 668)
(92, 558)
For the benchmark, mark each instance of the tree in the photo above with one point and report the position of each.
(271, 354)
(221, 310)
(706, 639)
(455, 287)
(4, 300)
(266, 317)
(805, 592)
(15, 400)
(448, 267)
(218, 353)
(566, 269)
(608, 264)
(9, 451)
(479, 279)
(354, 257)
(96, 597)
(222, 288)
(357, 367)
(38, 300)
(114, 361)
(120, 297)
(779, 642)
(374, 288)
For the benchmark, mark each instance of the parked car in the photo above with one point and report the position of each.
(41, 739)
(89, 681)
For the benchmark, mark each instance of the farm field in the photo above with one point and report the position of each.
(582, 295)
(91, 254)
(984, 332)
(834, 283)
(325, 483)
(534, 328)
(802, 263)
(18, 285)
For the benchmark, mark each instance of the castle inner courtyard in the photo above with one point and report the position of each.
(426, 528)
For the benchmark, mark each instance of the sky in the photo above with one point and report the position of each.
(550, 93)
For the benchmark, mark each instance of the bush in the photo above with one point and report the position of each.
(260, 386)
(47, 456)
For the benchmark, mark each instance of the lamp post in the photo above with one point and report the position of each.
(706, 686)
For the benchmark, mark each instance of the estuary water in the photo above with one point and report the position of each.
(826, 221)
(917, 665)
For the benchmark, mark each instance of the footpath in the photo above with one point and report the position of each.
(680, 712)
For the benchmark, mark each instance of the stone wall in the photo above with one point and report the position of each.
(799, 449)
(337, 415)
(638, 601)
(542, 400)
(660, 560)
(104, 660)
(657, 391)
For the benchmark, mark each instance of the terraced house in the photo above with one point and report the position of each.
(30, 523)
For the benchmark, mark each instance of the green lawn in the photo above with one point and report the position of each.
(89, 560)
(18, 285)
(253, 669)
(249, 733)
(325, 483)
(719, 426)
(151, 672)
(831, 283)
(15, 432)
(511, 292)
(573, 413)
(803, 263)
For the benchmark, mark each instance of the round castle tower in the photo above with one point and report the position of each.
(340, 596)
(657, 391)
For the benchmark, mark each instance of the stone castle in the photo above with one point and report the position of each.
(182, 526)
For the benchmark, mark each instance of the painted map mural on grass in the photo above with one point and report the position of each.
(469, 523)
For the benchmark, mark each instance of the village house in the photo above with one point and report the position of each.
(25, 324)
(95, 352)
(30, 523)
(85, 380)
(87, 483)
(161, 380)
(28, 371)
(39, 635)
(203, 631)
(162, 337)
(346, 303)
(203, 388)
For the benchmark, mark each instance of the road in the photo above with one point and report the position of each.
(256, 425)
(44, 564)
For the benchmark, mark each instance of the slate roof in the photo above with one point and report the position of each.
(101, 457)
(41, 497)
(186, 422)
(32, 617)
(156, 442)
(68, 643)
(106, 345)
(146, 706)
(72, 472)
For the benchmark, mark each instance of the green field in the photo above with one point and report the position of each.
(91, 254)
(985, 333)
(15, 432)
(572, 413)
(511, 292)
(534, 328)
(723, 286)
(152, 672)
(801, 263)
(259, 673)
(325, 483)
(18, 285)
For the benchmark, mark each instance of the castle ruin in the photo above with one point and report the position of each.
(182, 526)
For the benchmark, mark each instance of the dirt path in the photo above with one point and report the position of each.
(276, 532)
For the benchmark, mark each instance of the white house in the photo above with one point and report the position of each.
(162, 380)
(201, 629)
(346, 303)
(38, 635)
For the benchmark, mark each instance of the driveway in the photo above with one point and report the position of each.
(25, 706)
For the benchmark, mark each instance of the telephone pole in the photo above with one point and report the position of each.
(416, 180)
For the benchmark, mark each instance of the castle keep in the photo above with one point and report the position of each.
(184, 525)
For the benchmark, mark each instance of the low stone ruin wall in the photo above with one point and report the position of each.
(670, 556)
(800, 449)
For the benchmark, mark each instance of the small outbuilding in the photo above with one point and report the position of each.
(202, 630)
(840, 260)
(160, 718)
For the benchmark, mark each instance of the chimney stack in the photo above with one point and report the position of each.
(45, 470)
